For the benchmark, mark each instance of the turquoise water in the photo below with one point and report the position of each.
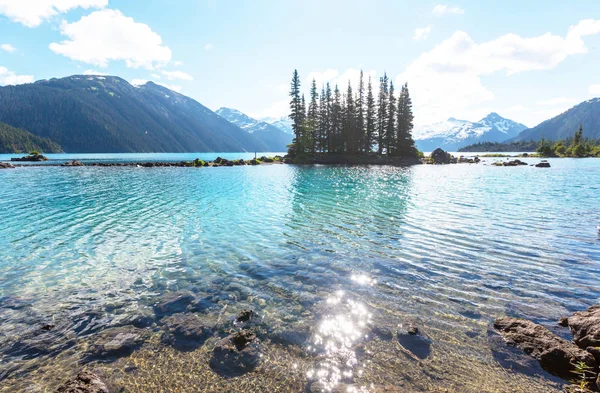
(450, 247)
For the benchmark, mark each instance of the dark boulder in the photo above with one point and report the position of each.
(73, 163)
(254, 162)
(34, 157)
(439, 156)
(244, 316)
(415, 342)
(185, 332)
(585, 327)
(84, 382)
(236, 354)
(509, 163)
(173, 302)
(543, 164)
(115, 342)
(556, 355)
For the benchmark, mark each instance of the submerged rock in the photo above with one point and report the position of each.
(173, 302)
(236, 354)
(585, 327)
(185, 332)
(84, 382)
(116, 342)
(415, 342)
(245, 316)
(556, 355)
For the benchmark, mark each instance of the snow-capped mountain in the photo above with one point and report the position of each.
(453, 134)
(283, 123)
(275, 138)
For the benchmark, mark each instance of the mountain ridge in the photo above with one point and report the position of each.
(88, 114)
(454, 134)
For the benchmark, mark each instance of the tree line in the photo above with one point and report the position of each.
(354, 123)
(578, 146)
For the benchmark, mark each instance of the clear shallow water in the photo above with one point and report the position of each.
(336, 251)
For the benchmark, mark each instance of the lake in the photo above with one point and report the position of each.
(337, 262)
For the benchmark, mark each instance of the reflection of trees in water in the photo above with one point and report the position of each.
(338, 209)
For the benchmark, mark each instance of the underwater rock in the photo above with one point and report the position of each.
(84, 382)
(298, 336)
(185, 332)
(236, 354)
(115, 342)
(244, 316)
(415, 342)
(556, 355)
(383, 333)
(173, 302)
(585, 327)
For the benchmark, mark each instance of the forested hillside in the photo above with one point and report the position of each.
(14, 140)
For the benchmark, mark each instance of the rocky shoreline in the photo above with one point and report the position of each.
(576, 361)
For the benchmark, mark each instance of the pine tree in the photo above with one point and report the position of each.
(323, 121)
(405, 145)
(350, 141)
(390, 132)
(360, 115)
(312, 118)
(329, 132)
(296, 110)
(336, 120)
(382, 113)
(371, 121)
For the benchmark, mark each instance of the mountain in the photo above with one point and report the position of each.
(90, 114)
(275, 139)
(563, 126)
(453, 134)
(14, 140)
(283, 123)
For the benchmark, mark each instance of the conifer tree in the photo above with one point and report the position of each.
(390, 133)
(360, 115)
(329, 131)
(382, 113)
(296, 109)
(350, 141)
(322, 125)
(405, 145)
(312, 118)
(371, 121)
(336, 120)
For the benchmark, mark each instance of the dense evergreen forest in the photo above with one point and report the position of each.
(578, 146)
(352, 123)
(14, 140)
(518, 146)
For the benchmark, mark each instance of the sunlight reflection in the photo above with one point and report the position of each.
(363, 279)
(336, 337)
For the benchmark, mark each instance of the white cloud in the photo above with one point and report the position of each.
(594, 90)
(156, 76)
(177, 63)
(8, 77)
(108, 35)
(276, 110)
(93, 72)
(172, 75)
(556, 101)
(209, 46)
(446, 81)
(8, 48)
(141, 82)
(32, 13)
(442, 9)
(422, 33)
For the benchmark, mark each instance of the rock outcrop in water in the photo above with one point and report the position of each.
(185, 332)
(556, 355)
(33, 157)
(84, 382)
(509, 163)
(543, 164)
(6, 165)
(116, 342)
(585, 327)
(236, 354)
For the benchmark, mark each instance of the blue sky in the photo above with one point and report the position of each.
(527, 60)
